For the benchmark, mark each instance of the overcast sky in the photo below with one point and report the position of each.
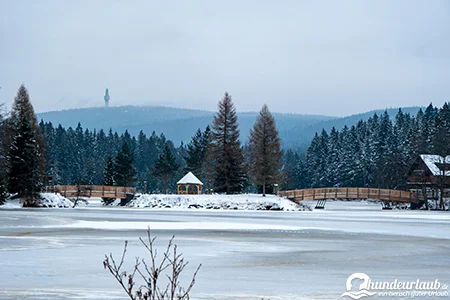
(313, 57)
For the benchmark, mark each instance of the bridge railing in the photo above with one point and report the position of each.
(104, 191)
(350, 193)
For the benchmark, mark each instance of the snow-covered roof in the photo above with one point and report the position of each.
(189, 178)
(431, 160)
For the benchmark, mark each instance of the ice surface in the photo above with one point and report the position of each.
(278, 255)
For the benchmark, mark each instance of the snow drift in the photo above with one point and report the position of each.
(235, 202)
(45, 200)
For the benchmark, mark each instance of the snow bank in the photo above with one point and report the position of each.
(11, 204)
(54, 200)
(46, 200)
(434, 204)
(236, 202)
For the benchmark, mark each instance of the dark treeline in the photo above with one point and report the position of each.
(82, 156)
(373, 153)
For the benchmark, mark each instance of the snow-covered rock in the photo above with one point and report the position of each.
(46, 200)
(236, 202)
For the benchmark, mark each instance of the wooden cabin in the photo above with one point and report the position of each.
(428, 174)
(428, 169)
(189, 185)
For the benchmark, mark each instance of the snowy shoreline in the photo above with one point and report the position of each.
(47, 200)
(159, 201)
(238, 202)
(216, 202)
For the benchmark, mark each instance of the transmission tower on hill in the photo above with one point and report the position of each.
(106, 98)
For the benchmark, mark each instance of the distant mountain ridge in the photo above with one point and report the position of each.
(179, 124)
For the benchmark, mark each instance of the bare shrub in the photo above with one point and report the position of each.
(152, 273)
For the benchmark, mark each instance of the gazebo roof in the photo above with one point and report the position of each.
(189, 178)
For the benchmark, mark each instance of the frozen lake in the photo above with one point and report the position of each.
(58, 253)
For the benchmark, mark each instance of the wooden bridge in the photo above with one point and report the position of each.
(322, 194)
(103, 191)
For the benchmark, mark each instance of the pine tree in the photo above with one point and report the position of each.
(429, 127)
(165, 167)
(109, 173)
(289, 170)
(441, 146)
(349, 158)
(265, 151)
(229, 176)
(196, 153)
(123, 168)
(3, 160)
(332, 160)
(27, 158)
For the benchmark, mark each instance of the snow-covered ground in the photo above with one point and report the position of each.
(215, 202)
(46, 200)
(236, 202)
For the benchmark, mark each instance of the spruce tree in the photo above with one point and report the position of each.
(3, 160)
(229, 176)
(165, 167)
(196, 153)
(265, 151)
(123, 168)
(109, 172)
(291, 180)
(27, 160)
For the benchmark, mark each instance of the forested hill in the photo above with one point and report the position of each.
(179, 125)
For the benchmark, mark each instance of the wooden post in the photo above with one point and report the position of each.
(357, 193)
(335, 195)
(303, 194)
(346, 193)
(314, 194)
(379, 193)
(115, 191)
(389, 195)
(295, 194)
(65, 190)
(325, 194)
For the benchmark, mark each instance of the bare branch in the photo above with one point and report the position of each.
(151, 274)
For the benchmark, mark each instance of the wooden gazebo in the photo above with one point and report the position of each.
(190, 185)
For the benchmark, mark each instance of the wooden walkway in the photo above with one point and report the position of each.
(351, 193)
(103, 191)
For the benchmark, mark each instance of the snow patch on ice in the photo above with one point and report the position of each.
(116, 225)
(229, 202)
